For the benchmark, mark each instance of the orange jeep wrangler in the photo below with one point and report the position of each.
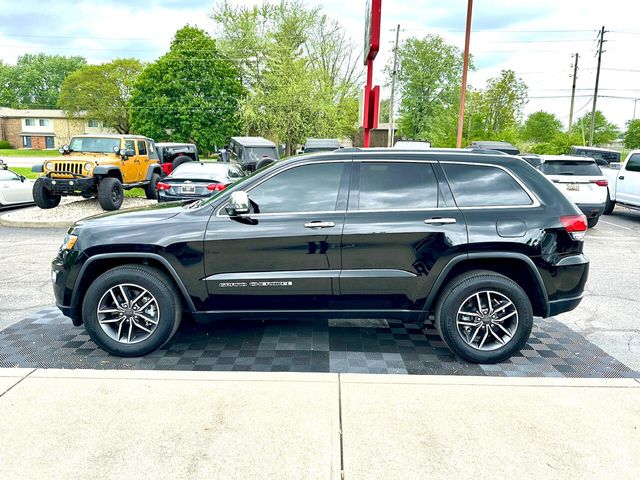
(101, 166)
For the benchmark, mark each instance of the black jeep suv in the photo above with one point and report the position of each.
(477, 243)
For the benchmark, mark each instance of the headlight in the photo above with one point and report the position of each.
(69, 241)
(49, 166)
(88, 167)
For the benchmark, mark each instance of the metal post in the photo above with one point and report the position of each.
(465, 69)
(367, 95)
(393, 90)
(573, 92)
(595, 93)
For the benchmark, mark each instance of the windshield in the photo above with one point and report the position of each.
(571, 167)
(94, 144)
(199, 171)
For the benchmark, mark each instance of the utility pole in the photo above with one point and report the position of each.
(595, 93)
(465, 69)
(393, 90)
(573, 91)
(635, 104)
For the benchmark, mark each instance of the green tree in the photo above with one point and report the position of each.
(298, 66)
(428, 83)
(632, 135)
(604, 132)
(102, 92)
(502, 102)
(540, 127)
(7, 94)
(190, 94)
(36, 80)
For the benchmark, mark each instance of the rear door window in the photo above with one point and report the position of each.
(142, 147)
(397, 186)
(633, 164)
(484, 186)
(571, 167)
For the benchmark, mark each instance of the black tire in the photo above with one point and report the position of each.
(180, 160)
(264, 162)
(41, 196)
(110, 193)
(158, 285)
(455, 296)
(609, 206)
(592, 222)
(151, 188)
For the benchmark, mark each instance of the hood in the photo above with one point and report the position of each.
(151, 214)
(83, 157)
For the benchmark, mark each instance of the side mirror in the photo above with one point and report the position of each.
(116, 150)
(616, 165)
(64, 149)
(22, 178)
(126, 153)
(238, 204)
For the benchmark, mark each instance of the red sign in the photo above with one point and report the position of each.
(372, 29)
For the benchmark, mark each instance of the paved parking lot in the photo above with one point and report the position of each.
(603, 338)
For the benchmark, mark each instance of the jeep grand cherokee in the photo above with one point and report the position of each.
(477, 243)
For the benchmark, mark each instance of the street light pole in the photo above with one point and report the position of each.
(465, 69)
(394, 73)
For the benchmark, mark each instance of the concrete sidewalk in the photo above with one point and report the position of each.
(241, 425)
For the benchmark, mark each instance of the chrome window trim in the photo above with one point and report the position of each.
(345, 161)
(535, 202)
(305, 274)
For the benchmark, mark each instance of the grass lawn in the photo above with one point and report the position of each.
(26, 171)
(28, 153)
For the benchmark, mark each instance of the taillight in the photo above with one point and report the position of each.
(216, 187)
(163, 186)
(576, 226)
(601, 183)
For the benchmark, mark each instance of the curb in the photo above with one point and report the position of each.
(9, 222)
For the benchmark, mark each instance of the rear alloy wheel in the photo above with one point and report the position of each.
(484, 317)
(110, 193)
(131, 310)
(151, 188)
(42, 197)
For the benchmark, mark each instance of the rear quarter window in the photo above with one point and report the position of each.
(484, 186)
(571, 167)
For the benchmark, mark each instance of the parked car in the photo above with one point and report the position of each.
(412, 145)
(15, 189)
(602, 156)
(101, 166)
(624, 183)
(3, 166)
(504, 147)
(193, 180)
(172, 155)
(252, 153)
(580, 180)
(532, 159)
(480, 243)
(316, 145)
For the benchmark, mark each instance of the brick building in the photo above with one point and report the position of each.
(43, 129)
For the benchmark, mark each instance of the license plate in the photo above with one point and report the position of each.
(188, 189)
(572, 187)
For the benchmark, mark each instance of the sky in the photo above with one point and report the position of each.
(536, 39)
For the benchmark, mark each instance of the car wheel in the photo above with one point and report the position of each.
(41, 196)
(592, 222)
(609, 206)
(484, 317)
(151, 189)
(131, 310)
(180, 160)
(110, 193)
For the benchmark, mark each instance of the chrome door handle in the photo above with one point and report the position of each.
(319, 224)
(621, 178)
(440, 221)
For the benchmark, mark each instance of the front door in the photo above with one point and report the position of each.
(401, 228)
(628, 183)
(285, 255)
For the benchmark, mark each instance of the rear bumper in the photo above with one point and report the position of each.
(68, 186)
(564, 305)
(591, 210)
(565, 283)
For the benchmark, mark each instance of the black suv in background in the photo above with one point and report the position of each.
(477, 243)
(172, 155)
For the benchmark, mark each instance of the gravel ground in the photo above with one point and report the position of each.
(68, 212)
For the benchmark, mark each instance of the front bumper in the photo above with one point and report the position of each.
(68, 186)
(591, 210)
(63, 288)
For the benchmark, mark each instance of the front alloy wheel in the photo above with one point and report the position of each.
(128, 313)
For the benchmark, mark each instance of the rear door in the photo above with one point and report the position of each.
(142, 160)
(628, 184)
(402, 227)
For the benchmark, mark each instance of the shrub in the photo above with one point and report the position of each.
(5, 145)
